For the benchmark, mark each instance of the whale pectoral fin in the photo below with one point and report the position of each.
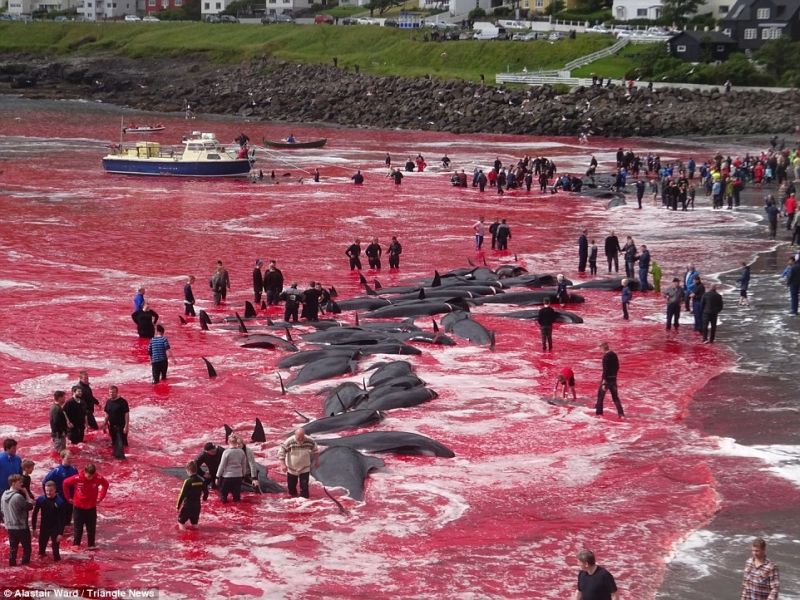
(471, 264)
(283, 387)
(435, 326)
(183, 321)
(491, 346)
(302, 416)
(242, 328)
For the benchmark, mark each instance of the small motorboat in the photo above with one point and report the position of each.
(287, 145)
(132, 128)
(200, 156)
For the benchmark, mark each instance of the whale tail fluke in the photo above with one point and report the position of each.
(212, 372)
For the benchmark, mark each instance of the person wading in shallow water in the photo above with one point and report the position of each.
(608, 383)
(594, 582)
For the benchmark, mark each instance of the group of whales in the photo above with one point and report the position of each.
(393, 385)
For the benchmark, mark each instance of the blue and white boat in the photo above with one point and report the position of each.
(200, 156)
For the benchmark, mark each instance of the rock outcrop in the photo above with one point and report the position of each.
(283, 91)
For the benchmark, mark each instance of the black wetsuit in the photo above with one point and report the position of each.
(395, 250)
(583, 252)
(546, 317)
(353, 252)
(258, 285)
(52, 524)
(374, 253)
(188, 300)
(194, 488)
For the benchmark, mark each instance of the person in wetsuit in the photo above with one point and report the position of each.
(395, 250)
(374, 253)
(52, 524)
(353, 252)
(210, 457)
(311, 302)
(194, 487)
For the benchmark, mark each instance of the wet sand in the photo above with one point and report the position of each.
(757, 405)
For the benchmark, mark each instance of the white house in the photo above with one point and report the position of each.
(627, 10)
(214, 7)
(97, 10)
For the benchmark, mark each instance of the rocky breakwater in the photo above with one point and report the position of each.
(282, 91)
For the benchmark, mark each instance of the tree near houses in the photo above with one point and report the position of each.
(678, 11)
(382, 6)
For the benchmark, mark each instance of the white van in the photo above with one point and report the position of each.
(490, 31)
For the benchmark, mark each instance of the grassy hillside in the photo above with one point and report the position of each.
(378, 50)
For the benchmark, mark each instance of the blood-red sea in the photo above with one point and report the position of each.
(531, 484)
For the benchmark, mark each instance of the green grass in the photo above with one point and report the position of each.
(614, 66)
(378, 50)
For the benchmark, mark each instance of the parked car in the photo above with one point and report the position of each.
(391, 23)
(348, 21)
(212, 19)
(132, 18)
(444, 25)
(555, 36)
(452, 35)
(228, 19)
(323, 19)
(597, 29)
(466, 35)
(151, 19)
(81, 20)
(366, 21)
(526, 37)
(284, 18)
(61, 19)
(515, 25)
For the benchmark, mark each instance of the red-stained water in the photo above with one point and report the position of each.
(531, 483)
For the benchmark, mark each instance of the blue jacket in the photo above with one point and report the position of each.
(688, 280)
(626, 294)
(137, 302)
(9, 465)
(744, 279)
(58, 475)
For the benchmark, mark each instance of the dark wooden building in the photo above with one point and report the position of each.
(701, 46)
(753, 22)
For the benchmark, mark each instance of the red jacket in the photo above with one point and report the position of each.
(83, 492)
(791, 205)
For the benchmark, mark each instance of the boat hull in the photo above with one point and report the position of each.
(296, 145)
(142, 129)
(122, 165)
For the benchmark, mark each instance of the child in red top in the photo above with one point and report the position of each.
(566, 378)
